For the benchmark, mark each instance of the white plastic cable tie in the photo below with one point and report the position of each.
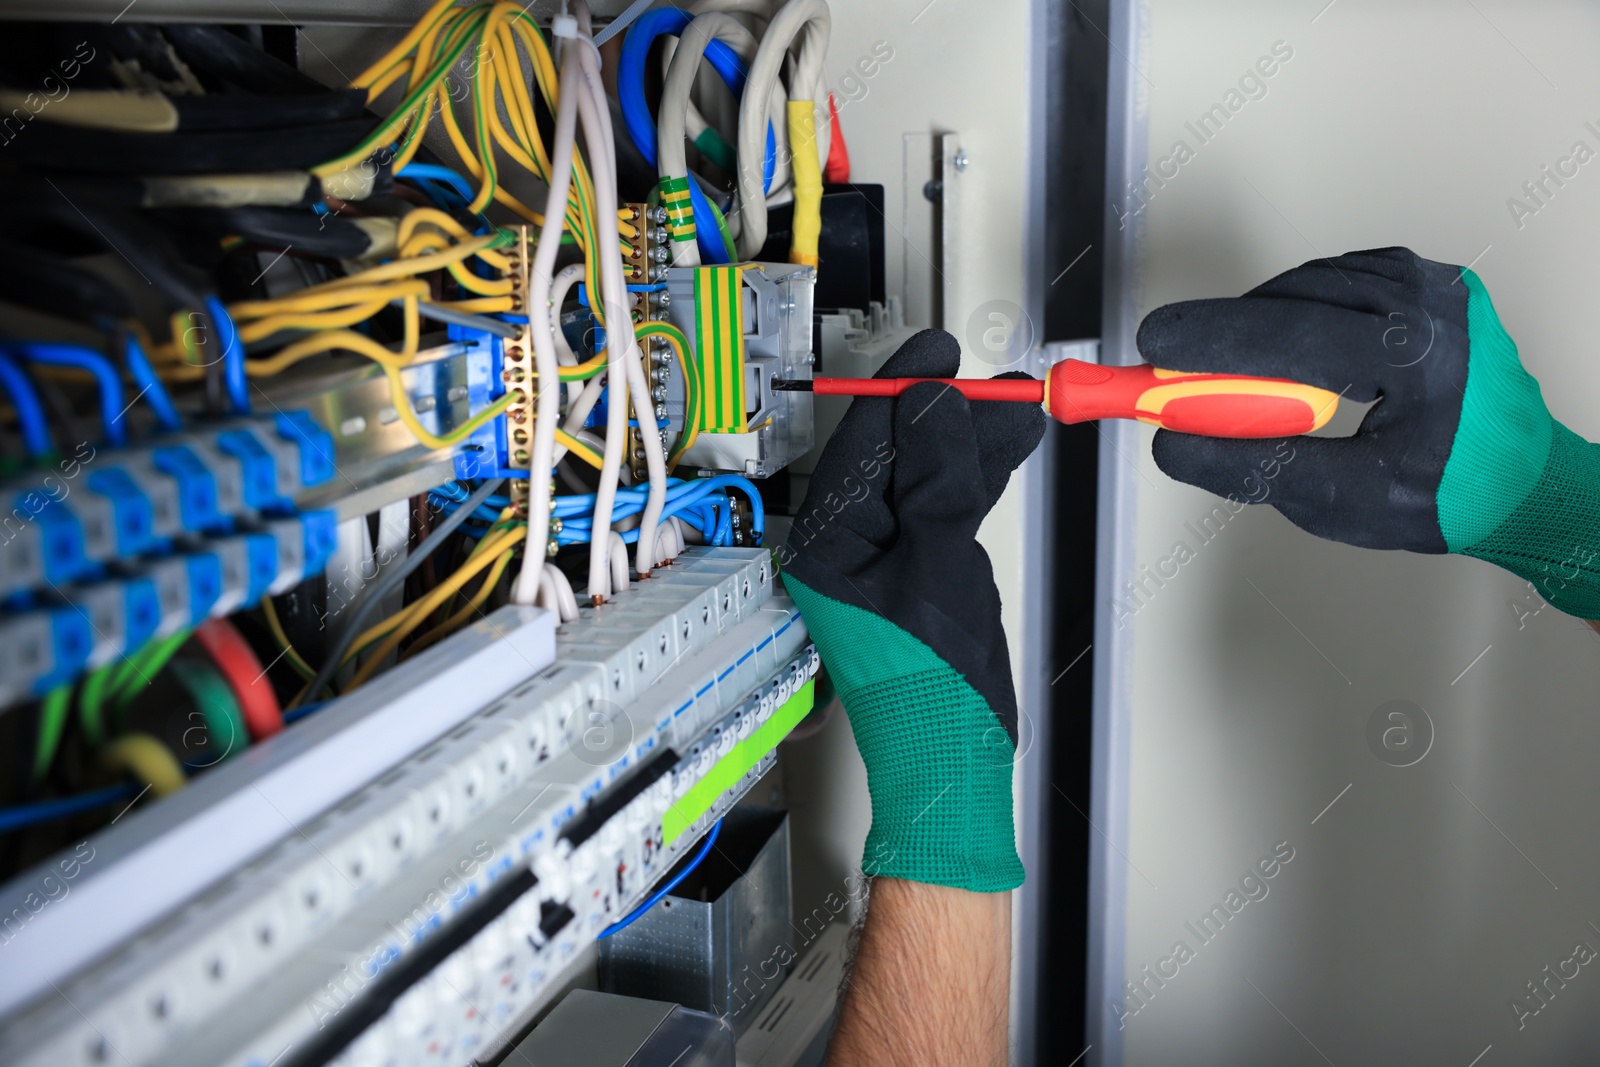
(564, 26)
(622, 21)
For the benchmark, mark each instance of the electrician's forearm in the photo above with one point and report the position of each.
(931, 985)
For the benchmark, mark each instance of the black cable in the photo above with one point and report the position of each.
(55, 146)
(44, 281)
(374, 595)
(60, 409)
(307, 234)
(215, 51)
(33, 211)
(197, 113)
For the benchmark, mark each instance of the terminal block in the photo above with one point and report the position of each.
(86, 625)
(117, 506)
(748, 325)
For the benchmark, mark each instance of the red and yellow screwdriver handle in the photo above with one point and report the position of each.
(1212, 405)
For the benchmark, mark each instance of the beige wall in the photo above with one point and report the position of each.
(1419, 904)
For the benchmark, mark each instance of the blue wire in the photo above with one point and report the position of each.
(233, 375)
(436, 193)
(30, 413)
(49, 810)
(433, 172)
(654, 898)
(150, 386)
(641, 126)
(111, 407)
(296, 714)
(636, 45)
(758, 514)
(425, 174)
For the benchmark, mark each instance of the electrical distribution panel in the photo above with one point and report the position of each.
(387, 606)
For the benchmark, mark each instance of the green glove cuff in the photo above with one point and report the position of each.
(1553, 537)
(938, 761)
(1520, 490)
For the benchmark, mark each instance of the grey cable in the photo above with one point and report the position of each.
(622, 21)
(453, 317)
(376, 593)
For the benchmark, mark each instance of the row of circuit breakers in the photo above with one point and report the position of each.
(404, 877)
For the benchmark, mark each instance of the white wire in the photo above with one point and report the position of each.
(578, 411)
(555, 593)
(761, 10)
(808, 22)
(564, 280)
(622, 349)
(541, 456)
(569, 600)
(671, 156)
(619, 562)
(565, 356)
(617, 411)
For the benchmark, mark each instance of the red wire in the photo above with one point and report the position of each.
(837, 170)
(239, 665)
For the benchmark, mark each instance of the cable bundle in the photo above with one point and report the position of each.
(260, 225)
(786, 127)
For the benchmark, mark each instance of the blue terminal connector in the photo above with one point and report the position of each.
(316, 446)
(53, 640)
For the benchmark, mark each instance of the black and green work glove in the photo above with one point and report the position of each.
(1461, 455)
(901, 601)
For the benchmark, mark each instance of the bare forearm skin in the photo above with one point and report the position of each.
(931, 985)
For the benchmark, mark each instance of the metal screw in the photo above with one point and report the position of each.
(933, 191)
(664, 299)
(661, 411)
(961, 159)
(660, 255)
(660, 394)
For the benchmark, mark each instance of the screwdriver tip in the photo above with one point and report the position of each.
(792, 385)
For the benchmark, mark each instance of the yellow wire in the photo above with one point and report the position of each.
(301, 667)
(428, 216)
(679, 343)
(417, 613)
(404, 47)
(391, 362)
(579, 449)
(401, 268)
(146, 759)
(472, 607)
(335, 319)
(424, 242)
(480, 305)
(323, 300)
(394, 74)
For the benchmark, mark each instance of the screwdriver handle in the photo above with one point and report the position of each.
(1211, 405)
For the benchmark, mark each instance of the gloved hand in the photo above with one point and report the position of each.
(1460, 455)
(902, 604)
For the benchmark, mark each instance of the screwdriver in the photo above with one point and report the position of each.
(1212, 405)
